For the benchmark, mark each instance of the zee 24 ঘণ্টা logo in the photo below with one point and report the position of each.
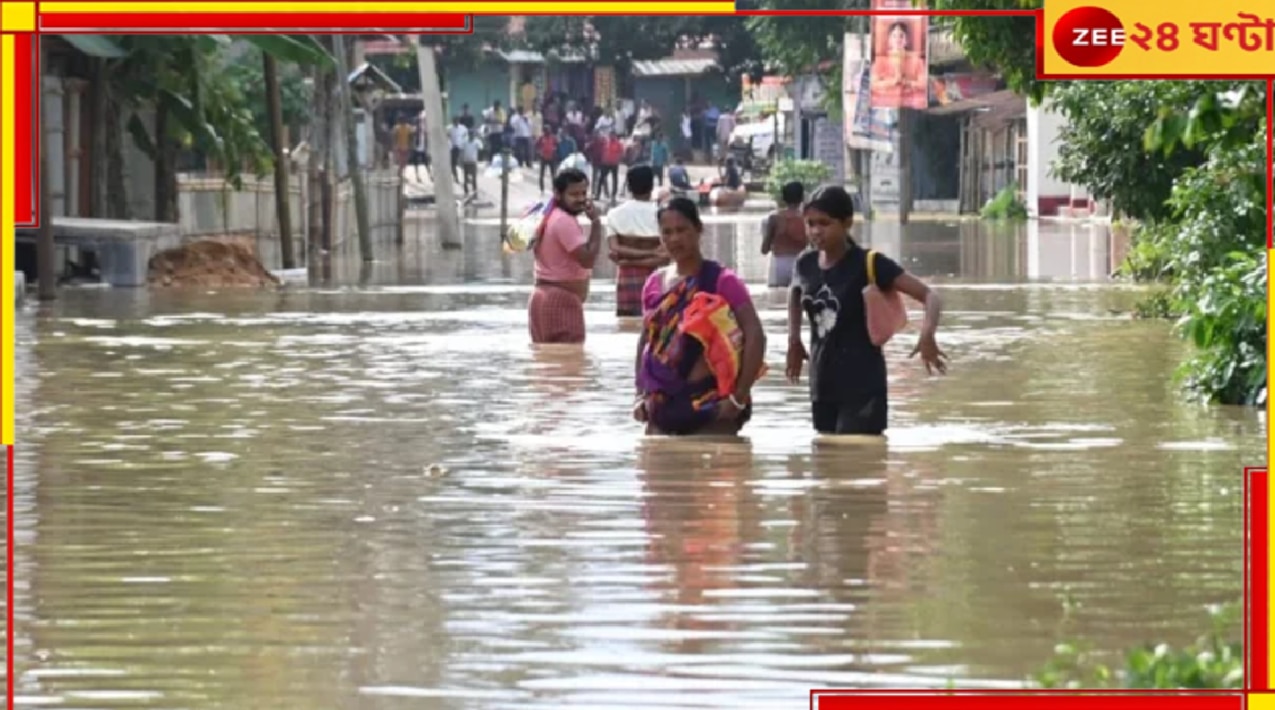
(1094, 36)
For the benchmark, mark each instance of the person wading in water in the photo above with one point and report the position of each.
(847, 371)
(633, 237)
(784, 236)
(702, 344)
(564, 259)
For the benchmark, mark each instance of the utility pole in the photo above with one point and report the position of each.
(45, 250)
(352, 148)
(504, 191)
(444, 188)
(274, 107)
(905, 164)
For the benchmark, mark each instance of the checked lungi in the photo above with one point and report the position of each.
(629, 281)
(555, 315)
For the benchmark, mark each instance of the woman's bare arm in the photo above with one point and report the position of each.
(923, 294)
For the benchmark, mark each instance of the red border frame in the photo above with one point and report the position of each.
(1016, 699)
(1256, 579)
(27, 99)
(27, 94)
(200, 22)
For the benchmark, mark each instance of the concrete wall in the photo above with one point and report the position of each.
(1046, 194)
(208, 207)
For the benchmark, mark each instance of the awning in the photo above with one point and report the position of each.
(673, 67)
(521, 56)
(1002, 103)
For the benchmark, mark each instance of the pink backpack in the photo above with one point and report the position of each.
(885, 310)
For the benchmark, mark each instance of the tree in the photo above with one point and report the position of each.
(1100, 145)
(195, 102)
(737, 50)
(1185, 159)
(804, 44)
(1006, 45)
(614, 40)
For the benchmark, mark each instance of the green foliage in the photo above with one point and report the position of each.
(621, 40)
(1214, 661)
(810, 173)
(296, 94)
(184, 76)
(1006, 45)
(491, 32)
(1005, 205)
(1101, 145)
(1214, 251)
(615, 40)
(1208, 231)
(792, 46)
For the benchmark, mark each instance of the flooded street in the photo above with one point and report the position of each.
(373, 493)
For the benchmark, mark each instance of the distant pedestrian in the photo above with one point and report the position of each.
(420, 155)
(469, 162)
(783, 235)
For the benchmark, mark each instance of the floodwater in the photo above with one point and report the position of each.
(373, 493)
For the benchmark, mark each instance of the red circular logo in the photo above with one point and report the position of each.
(1088, 37)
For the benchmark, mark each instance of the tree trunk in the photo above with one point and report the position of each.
(328, 184)
(314, 165)
(98, 98)
(113, 148)
(165, 168)
(444, 189)
(352, 149)
(274, 107)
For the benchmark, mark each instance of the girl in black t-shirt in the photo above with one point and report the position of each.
(847, 372)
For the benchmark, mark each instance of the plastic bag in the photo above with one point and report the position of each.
(577, 161)
(521, 235)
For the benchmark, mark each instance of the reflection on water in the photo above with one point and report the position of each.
(974, 251)
(381, 497)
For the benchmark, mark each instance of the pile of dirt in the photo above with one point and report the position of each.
(209, 264)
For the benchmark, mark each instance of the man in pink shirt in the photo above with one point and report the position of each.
(564, 262)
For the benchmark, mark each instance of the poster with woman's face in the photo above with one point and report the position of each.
(900, 75)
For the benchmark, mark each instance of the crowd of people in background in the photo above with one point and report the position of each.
(546, 134)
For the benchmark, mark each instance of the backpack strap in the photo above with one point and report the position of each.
(872, 267)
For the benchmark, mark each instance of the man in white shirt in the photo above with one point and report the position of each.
(605, 123)
(469, 162)
(522, 137)
(633, 237)
(458, 136)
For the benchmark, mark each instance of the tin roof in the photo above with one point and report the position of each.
(673, 67)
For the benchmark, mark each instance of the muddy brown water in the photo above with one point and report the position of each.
(372, 493)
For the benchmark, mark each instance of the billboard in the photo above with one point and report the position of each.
(866, 128)
(899, 68)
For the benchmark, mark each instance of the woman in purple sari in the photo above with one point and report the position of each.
(677, 391)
